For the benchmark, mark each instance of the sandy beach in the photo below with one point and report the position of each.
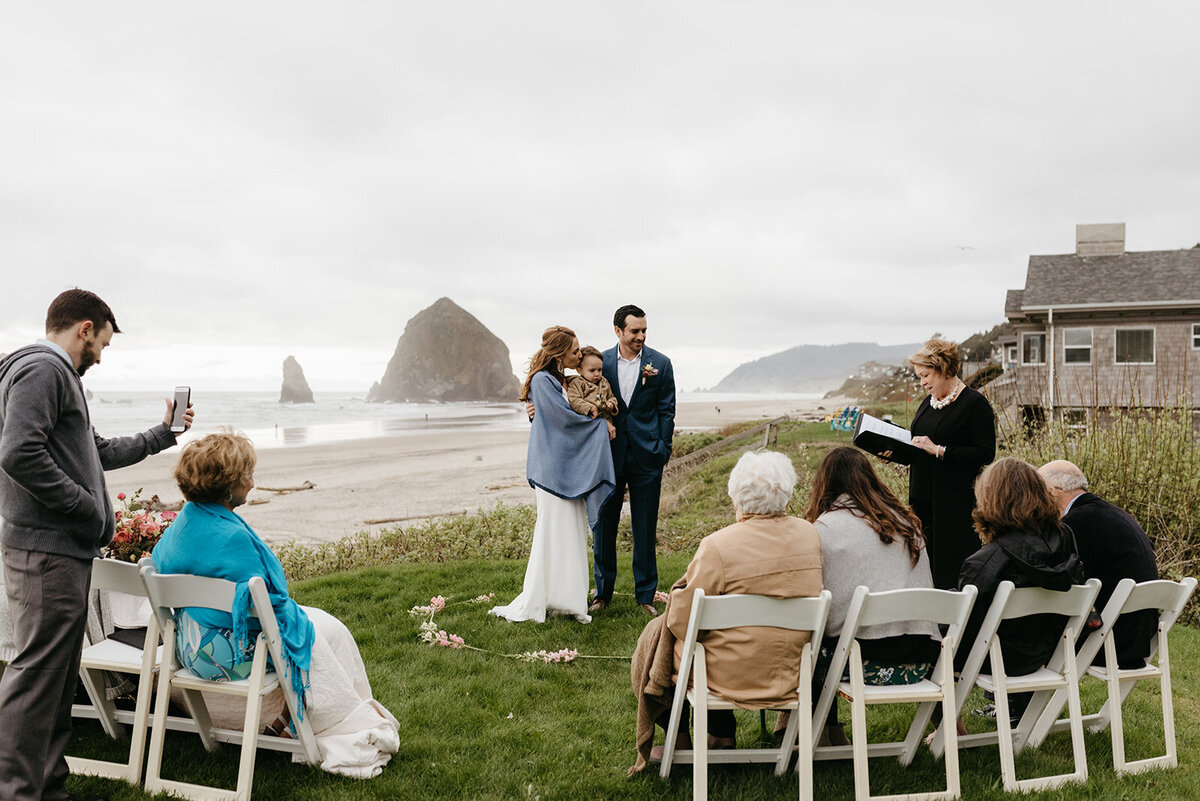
(406, 478)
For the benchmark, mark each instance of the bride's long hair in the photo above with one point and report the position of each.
(556, 343)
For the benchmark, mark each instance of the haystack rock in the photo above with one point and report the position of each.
(295, 388)
(445, 354)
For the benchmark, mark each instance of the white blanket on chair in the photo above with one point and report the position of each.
(355, 733)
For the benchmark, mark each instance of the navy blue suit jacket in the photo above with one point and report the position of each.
(646, 426)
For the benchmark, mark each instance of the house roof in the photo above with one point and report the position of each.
(1148, 277)
(1012, 302)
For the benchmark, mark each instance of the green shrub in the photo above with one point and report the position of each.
(505, 532)
(683, 444)
(737, 428)
(1145, 461)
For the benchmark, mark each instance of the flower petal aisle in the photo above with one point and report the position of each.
(431, 634)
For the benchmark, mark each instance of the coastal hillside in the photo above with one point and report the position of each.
(810, 368)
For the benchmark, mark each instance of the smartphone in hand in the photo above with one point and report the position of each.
(183, 396)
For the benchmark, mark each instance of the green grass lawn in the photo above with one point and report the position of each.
(479, 725)
(476, 725)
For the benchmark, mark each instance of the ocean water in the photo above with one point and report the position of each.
(334, 417)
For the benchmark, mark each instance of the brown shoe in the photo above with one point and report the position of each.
(833, 734)
(598, 605)
(649, 609)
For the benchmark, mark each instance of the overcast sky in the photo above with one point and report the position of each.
(244, 181)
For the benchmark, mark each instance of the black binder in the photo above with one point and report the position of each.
(875, 439)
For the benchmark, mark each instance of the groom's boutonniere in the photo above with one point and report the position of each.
(648, 371)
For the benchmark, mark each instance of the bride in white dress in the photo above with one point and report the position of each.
(569, 465)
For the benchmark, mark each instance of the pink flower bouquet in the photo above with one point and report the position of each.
(140, 524)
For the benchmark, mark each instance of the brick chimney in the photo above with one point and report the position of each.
(1103, 239)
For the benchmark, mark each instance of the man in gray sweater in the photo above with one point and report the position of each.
(57, 515)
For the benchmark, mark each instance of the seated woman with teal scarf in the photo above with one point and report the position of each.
(355, 734)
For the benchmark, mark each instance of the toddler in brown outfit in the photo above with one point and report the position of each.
(589, 392)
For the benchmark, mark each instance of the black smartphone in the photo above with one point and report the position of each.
(183, 396)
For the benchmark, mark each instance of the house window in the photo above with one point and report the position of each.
(1033, 348)
(1075, 419)
(1134, 346)
(1195, 336)
(1011, 358)
(1077, 345)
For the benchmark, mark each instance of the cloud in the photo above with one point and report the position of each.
(246, 180)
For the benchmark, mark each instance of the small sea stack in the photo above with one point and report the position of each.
(295, 388)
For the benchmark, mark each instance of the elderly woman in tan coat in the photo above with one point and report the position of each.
(766, 552)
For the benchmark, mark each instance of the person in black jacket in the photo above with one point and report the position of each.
(1026, 543)
(956, 429)
(1113, 547)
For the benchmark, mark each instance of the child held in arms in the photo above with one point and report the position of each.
(589, 393)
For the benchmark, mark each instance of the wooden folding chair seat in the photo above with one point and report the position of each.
(710, 613)
(117, 657)
(941, 607)
(1168, 598)
(170, 592)
(1061, 673)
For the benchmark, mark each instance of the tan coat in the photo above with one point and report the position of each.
(756, 666)
(586, 397)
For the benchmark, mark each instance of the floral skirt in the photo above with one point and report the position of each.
(874, 673)
(211, 653)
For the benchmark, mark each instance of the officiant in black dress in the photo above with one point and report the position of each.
(956, 429)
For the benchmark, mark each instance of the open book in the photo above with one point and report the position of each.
(879, 437)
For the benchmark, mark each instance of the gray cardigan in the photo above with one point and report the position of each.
(855, 555)
(52, 493)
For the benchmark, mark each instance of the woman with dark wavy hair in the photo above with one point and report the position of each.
(569, 465)
(868, 537)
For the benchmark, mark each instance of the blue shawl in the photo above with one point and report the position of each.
(209, 540)
(569, 455)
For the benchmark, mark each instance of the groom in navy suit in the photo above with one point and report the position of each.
(644, 384)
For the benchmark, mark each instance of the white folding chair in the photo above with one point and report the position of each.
(117, 657)
(1060, 673)
(710, 613)
(169, 592)
(1166, 597)
(940, 607)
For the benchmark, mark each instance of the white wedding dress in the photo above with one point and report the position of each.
(556, 579)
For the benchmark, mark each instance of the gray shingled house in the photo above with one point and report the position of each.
(1103, 328)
